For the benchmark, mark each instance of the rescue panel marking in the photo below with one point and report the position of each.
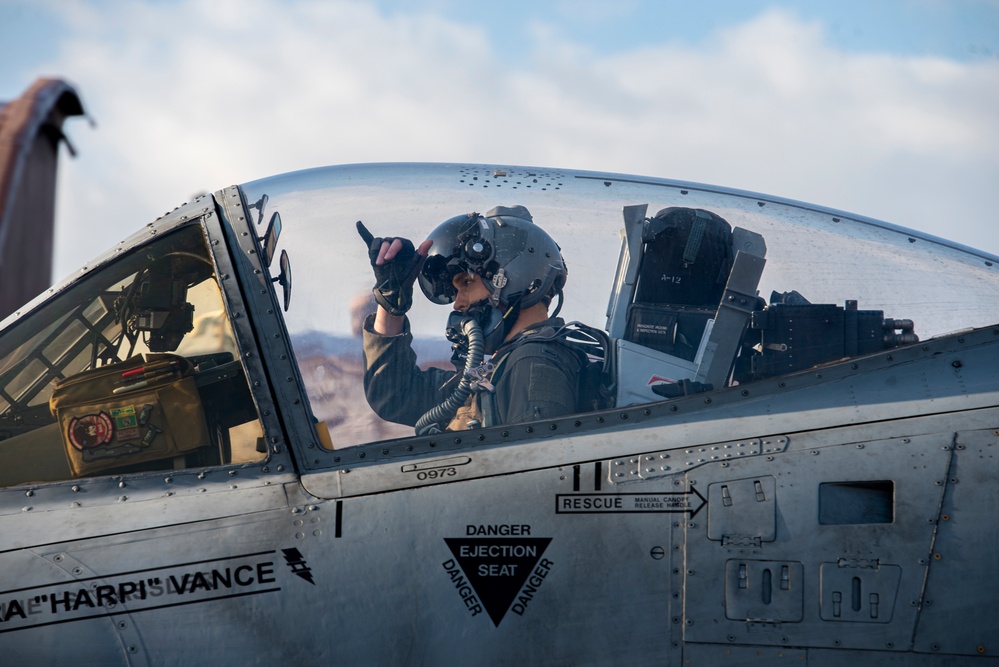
(677, 502)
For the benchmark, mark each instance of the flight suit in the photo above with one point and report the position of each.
(536, 377)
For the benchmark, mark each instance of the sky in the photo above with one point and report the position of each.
(883, 108)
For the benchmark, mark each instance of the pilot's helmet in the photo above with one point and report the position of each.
(518, 262)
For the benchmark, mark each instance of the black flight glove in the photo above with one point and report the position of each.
(394, 279)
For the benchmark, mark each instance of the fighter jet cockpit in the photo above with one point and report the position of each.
(685, 290)
(746, 427)
(667, 291)
(133, 369)
(800, 401)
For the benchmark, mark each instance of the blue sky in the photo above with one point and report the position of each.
(959, 29)
(887, 109)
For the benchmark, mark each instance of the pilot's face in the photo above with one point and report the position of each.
(470, 289)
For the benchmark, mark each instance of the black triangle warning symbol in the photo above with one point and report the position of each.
(497, 567)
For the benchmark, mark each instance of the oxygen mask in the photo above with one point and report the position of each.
(493, 323)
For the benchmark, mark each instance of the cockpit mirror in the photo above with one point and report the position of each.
(284, 278)
(270, 238)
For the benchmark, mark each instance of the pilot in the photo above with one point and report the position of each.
(501, 272)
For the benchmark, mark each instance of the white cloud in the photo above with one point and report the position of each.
(189, 99)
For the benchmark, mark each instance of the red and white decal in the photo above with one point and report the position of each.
(91, 431)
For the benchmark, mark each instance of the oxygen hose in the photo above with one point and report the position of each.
(430, 422)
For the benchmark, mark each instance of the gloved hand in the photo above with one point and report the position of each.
(396, 264)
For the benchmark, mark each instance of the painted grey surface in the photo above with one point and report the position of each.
(839, 515)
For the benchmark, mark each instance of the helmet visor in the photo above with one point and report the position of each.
(462, 244)
(436, 278)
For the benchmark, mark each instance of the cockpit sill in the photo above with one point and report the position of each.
(713, 427)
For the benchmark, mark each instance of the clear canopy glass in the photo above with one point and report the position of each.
(827, 256)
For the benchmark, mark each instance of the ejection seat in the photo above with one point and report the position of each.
(683, 294)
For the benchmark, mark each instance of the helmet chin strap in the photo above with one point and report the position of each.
(561, 300)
